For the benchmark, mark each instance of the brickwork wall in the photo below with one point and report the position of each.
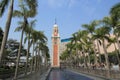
(55, 55)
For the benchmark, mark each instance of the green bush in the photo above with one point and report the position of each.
(6, 71)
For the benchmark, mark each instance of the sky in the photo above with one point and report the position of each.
(70, 15)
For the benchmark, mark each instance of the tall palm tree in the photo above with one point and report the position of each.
(115, 13)
(39, 59)
(82, 41)
(115, 22)
(42, 41)
(24, 13)
(34, 40)
(98, 43)
(113, 41)
(37, 36)
(3, 4)
(46, 52)
(91, 28)
(28, 32)
(103, 33)
(74, 40)
(20, 46)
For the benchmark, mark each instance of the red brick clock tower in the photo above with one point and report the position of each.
(55, 46)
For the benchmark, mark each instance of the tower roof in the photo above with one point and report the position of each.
(55, 25)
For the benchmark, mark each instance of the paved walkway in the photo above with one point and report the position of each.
(57, 74)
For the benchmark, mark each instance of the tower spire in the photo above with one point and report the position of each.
(55, 21)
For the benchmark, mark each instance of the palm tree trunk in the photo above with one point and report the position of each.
(84, 58)
(46, 61)
(27, 56)
(89, 60)
(99, 51)
(38, 62)
(118, 46)
(35, 61)
(38, 58)
(95, 60)
(32, 57)
(106, 59)
(117, 54)
(7, 27)
(18, 57)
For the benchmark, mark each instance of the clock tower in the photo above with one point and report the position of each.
(55, 46)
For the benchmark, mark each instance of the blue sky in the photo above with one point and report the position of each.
(70, 15)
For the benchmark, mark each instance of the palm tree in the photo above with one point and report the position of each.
(74, 41)
(115, 13)
(91, 28)
(87, 46)
(45, 53)
(115, 22)
(96, 37)
(68, 53)
(37, 36)
(34, 39)
(1, 35)
(24, 13)
(42, 43)
(39, 59)
(20, 46)
(28, 32)
(32, 5)
(113, 41)
(3, 4)
(103, 33)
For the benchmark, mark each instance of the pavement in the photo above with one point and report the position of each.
(59, 74)
(95, 77)
(36, 76)
(32, 76)
(65, 74)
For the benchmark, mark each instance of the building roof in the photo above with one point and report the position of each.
(66, 40)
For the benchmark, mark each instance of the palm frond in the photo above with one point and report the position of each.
(18, 29)
(33, 7)
(25, 39)
(32, 23)
(17, 13)
(3, 5)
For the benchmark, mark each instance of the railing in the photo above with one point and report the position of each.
(114, 74)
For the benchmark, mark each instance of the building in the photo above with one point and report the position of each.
(55, 46)
(110, 48)
(63, 44)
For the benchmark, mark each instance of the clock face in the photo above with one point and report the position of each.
(55, 33)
